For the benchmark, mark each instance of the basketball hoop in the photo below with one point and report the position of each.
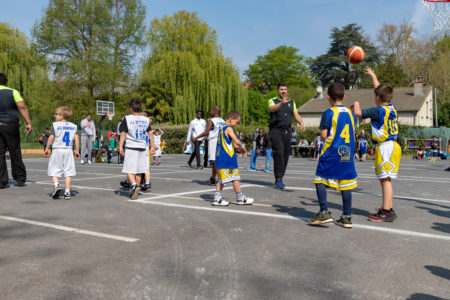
(439, 11)
(106, 108)
(110, 115)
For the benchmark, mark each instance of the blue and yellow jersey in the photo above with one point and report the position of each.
(336, 156)
(225, 153)
(384, 122)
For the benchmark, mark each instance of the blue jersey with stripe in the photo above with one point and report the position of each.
(225, 153)
(386, 127)
(336, 157)
(363, 145)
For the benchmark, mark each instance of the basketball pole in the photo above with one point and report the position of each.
(436, 108)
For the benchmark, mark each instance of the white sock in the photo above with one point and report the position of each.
(56, 184)
(67, 191)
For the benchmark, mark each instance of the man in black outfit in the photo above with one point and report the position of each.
(281, 111)
(10, 104)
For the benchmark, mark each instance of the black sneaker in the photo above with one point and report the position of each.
(146, 188)
(67, 196)
(21, 183)
(3, 186)
(134, 192)
(189, 165)
(345, 222)
(55, 193)
(199, 167)
(125, 184)
(383, 216)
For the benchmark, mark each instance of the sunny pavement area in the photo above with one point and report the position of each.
(172, 244)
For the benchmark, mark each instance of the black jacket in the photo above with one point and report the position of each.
(265, 144)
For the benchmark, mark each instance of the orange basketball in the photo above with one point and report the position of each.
(355, 55)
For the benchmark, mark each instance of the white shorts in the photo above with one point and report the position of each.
(157, 151)
(135, 162)
(61, 163)
(212, 146)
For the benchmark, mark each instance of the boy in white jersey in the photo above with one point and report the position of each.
(135, 129)
(63, 138)
(212, 130)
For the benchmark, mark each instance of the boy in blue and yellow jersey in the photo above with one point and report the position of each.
(384, 136)
(226, 161)
(336, 168)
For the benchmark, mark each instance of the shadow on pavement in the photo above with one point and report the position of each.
(439, 271)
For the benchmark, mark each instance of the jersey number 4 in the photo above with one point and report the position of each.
(345, 134)
(66, 138)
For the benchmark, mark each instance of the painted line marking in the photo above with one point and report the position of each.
(71, 229)
(270, 215)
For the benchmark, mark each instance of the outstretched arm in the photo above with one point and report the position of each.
(372, 74)
(357, 109)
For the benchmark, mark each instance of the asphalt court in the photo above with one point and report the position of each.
(172, 244)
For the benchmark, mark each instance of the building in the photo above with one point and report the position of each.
(414, 105)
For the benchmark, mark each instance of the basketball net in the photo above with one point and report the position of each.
(110, 115)
(439, 10)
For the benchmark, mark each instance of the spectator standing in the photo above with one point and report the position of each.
(293, 142)
(197, 127)
(434, 151)
(87, 137)
(11, 103)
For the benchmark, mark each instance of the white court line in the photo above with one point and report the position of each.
(254, 213)
(100, 177)
(71, 229)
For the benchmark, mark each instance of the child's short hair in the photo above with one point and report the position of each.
(135, 104)
(385, 92)
(336, 91)
(233, 114)
(65, 111)
(157, 130)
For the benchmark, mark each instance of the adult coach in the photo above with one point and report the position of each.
(197, 127)
(281, 111)
(10, 104)
(87, 137)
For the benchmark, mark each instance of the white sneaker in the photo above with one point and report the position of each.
(244, 200)
(219, 201)
(89, 162)
(82, 161)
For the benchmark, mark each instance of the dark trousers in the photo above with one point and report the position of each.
(281, 144)
(205, 156)
(10, 137)
(195, 153)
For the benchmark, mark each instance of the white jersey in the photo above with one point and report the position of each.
(196, 128)
(214, 131)
(136, 127)
(64, 133)
(156, 140)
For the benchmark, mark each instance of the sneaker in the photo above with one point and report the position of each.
(321, 218)
(344, 222)
(3, 186)
(212, 181)
(383, 216)
(89, 162)
(219, 201)
(189, 165)
(279, 184)
(158, 163)
(153, 163)
(199, 168)
(134, 192)
(125, 184)
(55, 193)
(67, 196)
(21, 183)
(267, 170)
(82, 161)
(146, 188)
(244, 200)
(251, 170)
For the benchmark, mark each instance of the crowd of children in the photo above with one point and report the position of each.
(336, 145)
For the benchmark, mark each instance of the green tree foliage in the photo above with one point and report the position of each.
(440, 69)
(186, 62)
(390, 72)
(258, 113)
(334, 67)
(282, 64)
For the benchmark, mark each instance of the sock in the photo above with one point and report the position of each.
(239, 195)
(133, 185)
(67, 191)
(147, 183)
(218, 193)
(56, 184)
(346, 216)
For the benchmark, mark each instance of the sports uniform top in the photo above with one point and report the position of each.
(363, 144)
(282, 118)
(64, 133)
(384, 122)
(136, 127)
(214, 131)
(196, 128)
(157, 140)
(9, 113)
(336, 158)
(225, 153)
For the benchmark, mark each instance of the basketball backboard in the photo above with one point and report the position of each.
(106, 107)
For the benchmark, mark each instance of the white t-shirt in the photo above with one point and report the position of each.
(136, 127)
(64, 133)
(85, 129)
(214, 131)
(196, 128)
(157, 140)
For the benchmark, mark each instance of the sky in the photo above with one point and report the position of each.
(249, 28)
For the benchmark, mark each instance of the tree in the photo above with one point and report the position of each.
(282, 64)
(390, 72)
(395, 40)
(334, 67)
(186, 61)
(73, 35)
(258, 113)
(125, 36)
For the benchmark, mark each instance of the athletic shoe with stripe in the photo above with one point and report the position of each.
(244, 200)
(67, 196)
(345, 222)
(56, 191)
(383, 216)
(321, 218)
(219, 201)
(134, 192)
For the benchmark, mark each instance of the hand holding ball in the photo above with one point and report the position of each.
(355, 55)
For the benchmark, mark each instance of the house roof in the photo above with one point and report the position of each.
(404, 100)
